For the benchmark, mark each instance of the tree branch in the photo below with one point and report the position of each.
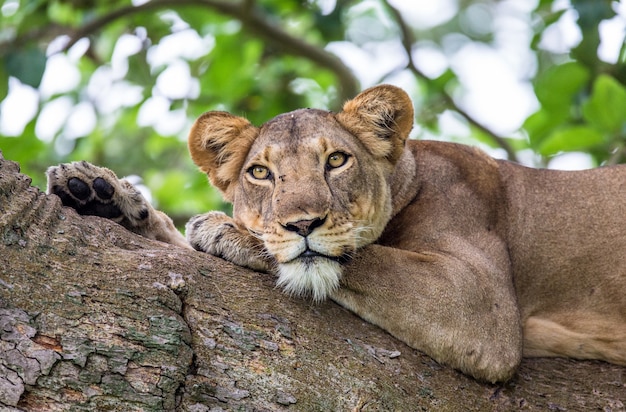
(95, 317)
(254, 22)
(407, 42)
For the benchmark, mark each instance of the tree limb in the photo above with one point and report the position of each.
(94, 317)
(254, 22)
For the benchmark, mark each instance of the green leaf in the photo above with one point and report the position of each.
(33, 155)
(219, 78)
(540, 124)
(557, 87)
(555, 90)
(64, 13)
(27, 65)
(606, 109)
(139, 70)
(442, 82)
(571, 139)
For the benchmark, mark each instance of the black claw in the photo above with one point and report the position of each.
(78, 188)
(144, 214)
(197, 223)
(218, 238)
(103, 189)
(197, 247)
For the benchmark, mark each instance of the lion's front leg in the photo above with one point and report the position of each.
(218, 234)
(96, 191)
(458, 307)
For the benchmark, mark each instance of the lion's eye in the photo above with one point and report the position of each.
(336, 160)
(259, 172)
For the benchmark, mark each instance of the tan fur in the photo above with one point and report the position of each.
(220, 147)
(472, 260)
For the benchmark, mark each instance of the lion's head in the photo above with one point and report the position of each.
(313, 185)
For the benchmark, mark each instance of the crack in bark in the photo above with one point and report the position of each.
(179, 286)
(20, 355)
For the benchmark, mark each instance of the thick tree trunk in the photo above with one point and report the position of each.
(93, 317)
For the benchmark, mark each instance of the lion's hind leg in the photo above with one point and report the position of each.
(96, 191)
(579, 336)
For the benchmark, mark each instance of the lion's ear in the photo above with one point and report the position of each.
(382, 118)
(219, 143)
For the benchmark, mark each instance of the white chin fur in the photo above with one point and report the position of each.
(317, 277)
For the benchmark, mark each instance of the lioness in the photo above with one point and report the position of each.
(472, 260)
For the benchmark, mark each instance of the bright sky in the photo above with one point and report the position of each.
(496, 89)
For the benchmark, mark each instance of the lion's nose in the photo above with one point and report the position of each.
(304, 227)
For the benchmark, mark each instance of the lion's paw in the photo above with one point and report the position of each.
(218, 234)
(205, 232)
(96, 191)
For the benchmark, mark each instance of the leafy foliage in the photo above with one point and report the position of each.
(132, 76)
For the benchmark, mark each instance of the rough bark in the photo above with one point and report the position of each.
(93, 317)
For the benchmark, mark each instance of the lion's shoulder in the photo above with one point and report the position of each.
(459, 155)
(446, 164)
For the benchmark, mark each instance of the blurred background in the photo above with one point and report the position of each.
(118, 83)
